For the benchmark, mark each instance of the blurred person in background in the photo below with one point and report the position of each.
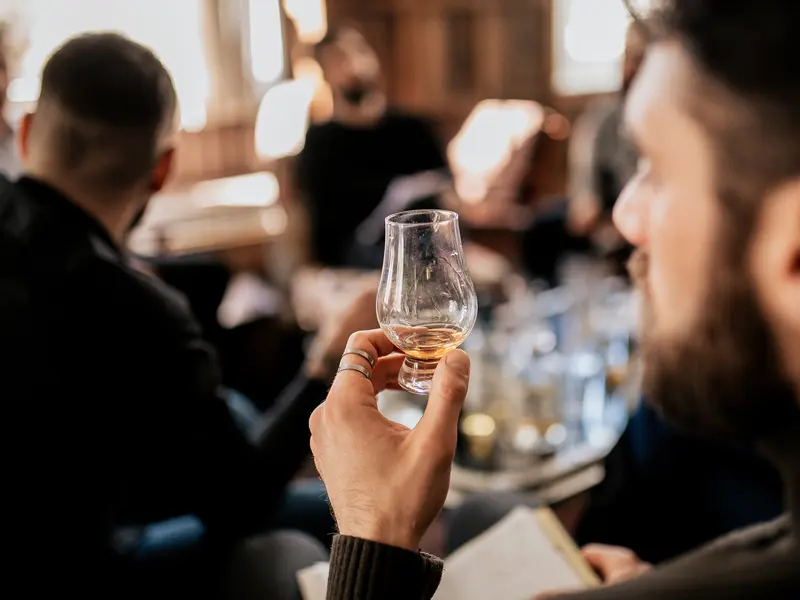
(9, 157)
(602, 156)
(367, 162)
(115, 416)
(601, 161)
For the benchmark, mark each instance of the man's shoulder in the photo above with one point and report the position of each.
(142, 293)
(64, 276)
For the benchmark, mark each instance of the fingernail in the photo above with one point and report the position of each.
(458, 360)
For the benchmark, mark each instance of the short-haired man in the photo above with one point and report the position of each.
(113, 419)
(715, 212)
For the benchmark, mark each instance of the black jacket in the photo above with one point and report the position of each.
(113, 416)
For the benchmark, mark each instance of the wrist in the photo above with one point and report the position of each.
(398, 537)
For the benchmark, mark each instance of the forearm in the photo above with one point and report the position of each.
(363, 570)
(243, 479)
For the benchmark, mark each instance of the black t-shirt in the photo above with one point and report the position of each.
(344, 172)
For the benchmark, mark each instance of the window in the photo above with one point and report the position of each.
(172, 29)
(589, 44)
(266, 52)
(310, 18)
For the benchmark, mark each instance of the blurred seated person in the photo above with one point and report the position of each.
(601, 161)
(603, 158)
(115, 398)
(367, 162)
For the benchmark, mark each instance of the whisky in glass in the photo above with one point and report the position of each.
(426, 300)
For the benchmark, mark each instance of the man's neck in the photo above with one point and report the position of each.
(115, 213)
(367, 113)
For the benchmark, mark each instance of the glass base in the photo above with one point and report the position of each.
(416, 376)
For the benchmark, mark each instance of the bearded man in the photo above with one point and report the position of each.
(714, 210)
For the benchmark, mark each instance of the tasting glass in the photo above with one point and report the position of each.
(426, 300)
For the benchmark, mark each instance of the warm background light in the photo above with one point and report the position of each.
(173, 30)
(486, 143)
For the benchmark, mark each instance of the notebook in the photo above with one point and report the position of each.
(526, 553)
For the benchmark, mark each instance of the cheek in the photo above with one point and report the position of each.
(680, 251)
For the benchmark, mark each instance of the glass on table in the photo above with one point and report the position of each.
(426, 300)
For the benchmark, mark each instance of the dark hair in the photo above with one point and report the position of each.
(748, 90)
(106, 104)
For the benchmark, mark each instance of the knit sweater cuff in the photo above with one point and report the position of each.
(364, 570)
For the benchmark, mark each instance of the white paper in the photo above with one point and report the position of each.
(513, 560)
(313, 582)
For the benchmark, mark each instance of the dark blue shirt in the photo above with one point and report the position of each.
(667, 491)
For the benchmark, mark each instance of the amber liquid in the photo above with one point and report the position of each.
(426, 343)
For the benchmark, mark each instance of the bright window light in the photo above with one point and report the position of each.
(310, 18)
(173, 30)
(266, 41)
(589, 45)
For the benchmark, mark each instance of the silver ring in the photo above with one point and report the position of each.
(359, 368)
(365, 355)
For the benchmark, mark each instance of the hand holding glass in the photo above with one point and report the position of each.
(426, 301)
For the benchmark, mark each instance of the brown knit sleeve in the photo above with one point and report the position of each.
(363, 570)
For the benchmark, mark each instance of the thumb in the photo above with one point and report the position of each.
(450, 383)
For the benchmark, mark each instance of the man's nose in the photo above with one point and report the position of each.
(630, 213)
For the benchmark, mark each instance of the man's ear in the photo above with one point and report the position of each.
(24, 134)
(775, 257)
(162, 170)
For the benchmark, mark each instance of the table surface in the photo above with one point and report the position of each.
(574, 467)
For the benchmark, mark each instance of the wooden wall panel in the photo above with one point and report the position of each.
(511, 50)
(506, 57)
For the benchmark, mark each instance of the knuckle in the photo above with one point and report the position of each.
(456, 387)
(357, 339)
(314, 421)
(627, 555)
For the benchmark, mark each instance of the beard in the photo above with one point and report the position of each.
(723, 377)
(355, 93)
